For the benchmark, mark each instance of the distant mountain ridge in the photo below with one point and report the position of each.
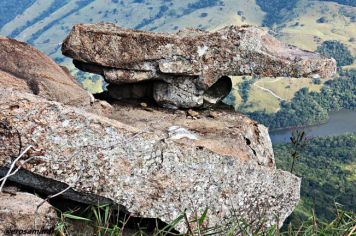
(42, 22)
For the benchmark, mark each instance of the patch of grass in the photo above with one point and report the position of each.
(96, 220)
(260, 100)
(287, 87)
(343, 224)
(101, 219)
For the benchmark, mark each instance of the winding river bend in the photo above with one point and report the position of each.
(340, 122)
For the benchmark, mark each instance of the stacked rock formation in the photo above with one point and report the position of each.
(154, 163)
(189, 68)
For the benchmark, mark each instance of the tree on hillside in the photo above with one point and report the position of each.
(276, 10)
(337, 50)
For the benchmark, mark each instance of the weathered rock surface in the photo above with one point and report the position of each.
(189, 63)
(18, 212)
(155, 164)
(27, 69)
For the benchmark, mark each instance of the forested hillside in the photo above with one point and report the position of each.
(327, 167)
(277, 10)
(311, 108)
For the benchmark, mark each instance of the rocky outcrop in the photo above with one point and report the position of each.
(29, 70)
(155, 163)
(19, 216)
(189, 68)
(151, 162)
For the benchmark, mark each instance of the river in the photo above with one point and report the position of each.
(340, 122)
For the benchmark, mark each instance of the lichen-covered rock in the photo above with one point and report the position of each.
(27, 69)
(18, 215)
(197, 57)
(150, 167)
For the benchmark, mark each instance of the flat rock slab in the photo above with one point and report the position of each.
(232, 50)
(151, 171)
(189, 63)
(229, 133)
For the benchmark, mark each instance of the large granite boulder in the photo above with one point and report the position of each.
(189, 68)
(154, 163)
(27, 69)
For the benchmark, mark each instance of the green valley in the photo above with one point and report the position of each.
(331, 183)
(306, 107)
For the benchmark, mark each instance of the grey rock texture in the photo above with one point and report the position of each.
(133, 160)
(17, 211)
(193, 57)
